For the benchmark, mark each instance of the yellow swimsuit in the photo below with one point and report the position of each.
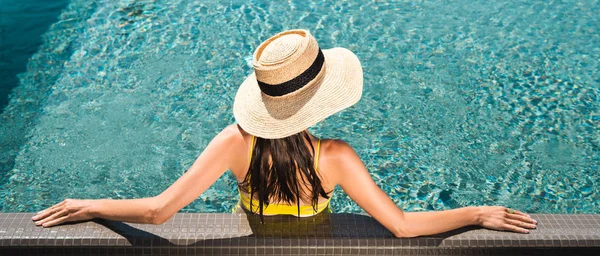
(273, 209)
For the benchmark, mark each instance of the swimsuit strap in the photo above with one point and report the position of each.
(305, 210)
(251, 149)
(317, 155)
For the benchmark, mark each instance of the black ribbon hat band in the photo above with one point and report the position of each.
(297, 82)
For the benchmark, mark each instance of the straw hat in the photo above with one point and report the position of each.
(295, 85)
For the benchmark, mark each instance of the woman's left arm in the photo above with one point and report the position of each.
(209, 166)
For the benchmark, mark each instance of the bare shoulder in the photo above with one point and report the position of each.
(232, 133)
(235, 141)
(234, 137)
(229, 141)
(339, 159)
(337, 150)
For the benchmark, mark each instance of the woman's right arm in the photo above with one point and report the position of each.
(355, 180)
(216, 158)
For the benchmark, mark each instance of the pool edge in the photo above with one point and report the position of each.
(332, 234)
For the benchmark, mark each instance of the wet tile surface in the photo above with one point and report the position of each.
(326, 234)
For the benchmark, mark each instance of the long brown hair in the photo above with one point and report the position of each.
(273, 169)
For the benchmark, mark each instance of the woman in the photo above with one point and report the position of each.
(281, 168)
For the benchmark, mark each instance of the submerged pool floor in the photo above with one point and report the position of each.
(465, 102)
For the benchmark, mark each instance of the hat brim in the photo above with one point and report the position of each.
(278, 117)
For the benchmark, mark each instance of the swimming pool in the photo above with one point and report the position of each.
(465, 102)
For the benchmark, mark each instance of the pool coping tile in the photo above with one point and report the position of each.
(336, 234)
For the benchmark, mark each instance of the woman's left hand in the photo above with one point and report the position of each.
(66, 211)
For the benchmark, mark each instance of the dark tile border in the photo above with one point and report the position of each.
(326, 234)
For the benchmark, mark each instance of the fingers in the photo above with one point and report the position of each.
(56, 221)
(59, 204)
(48, 211)
(520, 218)
(53, 215)
(502, 218)
(514, 228)
(45, 213)
(519, 223)
(57, 215)
(520, 213)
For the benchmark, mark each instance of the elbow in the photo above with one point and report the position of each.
(156, 215)
(402, 231)
(399, 233)
(156, 220)
(403, 228)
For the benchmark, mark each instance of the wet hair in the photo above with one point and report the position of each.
(273, 172)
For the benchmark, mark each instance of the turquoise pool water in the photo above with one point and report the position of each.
(21, 24)
(465, 102)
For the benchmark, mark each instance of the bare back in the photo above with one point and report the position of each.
(327, 179)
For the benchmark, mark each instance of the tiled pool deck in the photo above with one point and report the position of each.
(326, 234)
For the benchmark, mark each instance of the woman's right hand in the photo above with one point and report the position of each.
(65, 211)
(502, 218)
